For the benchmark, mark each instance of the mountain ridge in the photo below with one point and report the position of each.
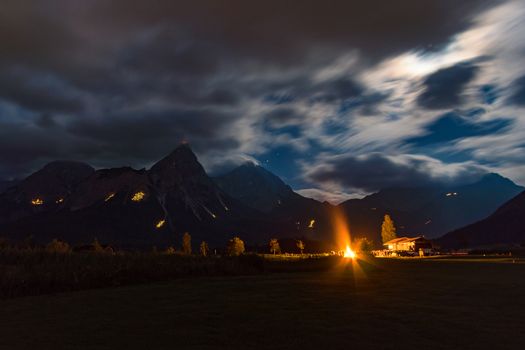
(249, 201)
(503, 227)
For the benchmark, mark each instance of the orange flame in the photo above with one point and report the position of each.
(349, 253)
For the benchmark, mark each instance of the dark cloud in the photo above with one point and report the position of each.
(452, 126)
(263, 28)
(122, 82)
(443, 88)
(376, 171)
(46, 121)
(148, 135)
(37, 35)
(37, 92)
(518, 92)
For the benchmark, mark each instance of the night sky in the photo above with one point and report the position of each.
(339, 98)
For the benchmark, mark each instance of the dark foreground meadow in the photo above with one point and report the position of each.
(387, 304)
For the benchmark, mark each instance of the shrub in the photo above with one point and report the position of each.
(57, 246)
(235, 247)
(170, 251)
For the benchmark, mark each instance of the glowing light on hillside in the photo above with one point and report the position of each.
(349, 253)
(138, 196)
(111, 195)
(160, 223)
(60, 200)
(312, 223)
(37, 201)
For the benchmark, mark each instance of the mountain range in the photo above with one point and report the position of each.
(133, 208)
(503, 228)
(137, 208)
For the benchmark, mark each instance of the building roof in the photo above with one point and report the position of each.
(403, 239)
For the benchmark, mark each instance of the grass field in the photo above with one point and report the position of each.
(387, 304)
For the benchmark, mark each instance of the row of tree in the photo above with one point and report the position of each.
(235, 245)
(275, 247)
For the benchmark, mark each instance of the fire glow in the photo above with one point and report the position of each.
(342, 233)
(349, 253)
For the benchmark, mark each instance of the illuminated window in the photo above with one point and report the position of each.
(312, 223)
(37, 201)
(138, 196)
(60, 200)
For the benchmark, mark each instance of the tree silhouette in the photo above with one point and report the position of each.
(275, 248)
(364, 245)
(56, 246)
(186, 243)
(300, 245)
(235, 246)
(97, 247)
(388, 230)
(204, 249)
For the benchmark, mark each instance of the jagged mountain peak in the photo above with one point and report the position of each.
(179, 164)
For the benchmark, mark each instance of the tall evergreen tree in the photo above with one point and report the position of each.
(388, 230)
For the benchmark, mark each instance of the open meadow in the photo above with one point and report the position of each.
(465, 303)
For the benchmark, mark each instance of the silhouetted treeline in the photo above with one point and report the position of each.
(38, 270)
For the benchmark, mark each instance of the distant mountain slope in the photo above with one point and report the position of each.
(430, 211)
(258, 188)
(5, 184)
(140, 208)
(44, 190)
(504, 226)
